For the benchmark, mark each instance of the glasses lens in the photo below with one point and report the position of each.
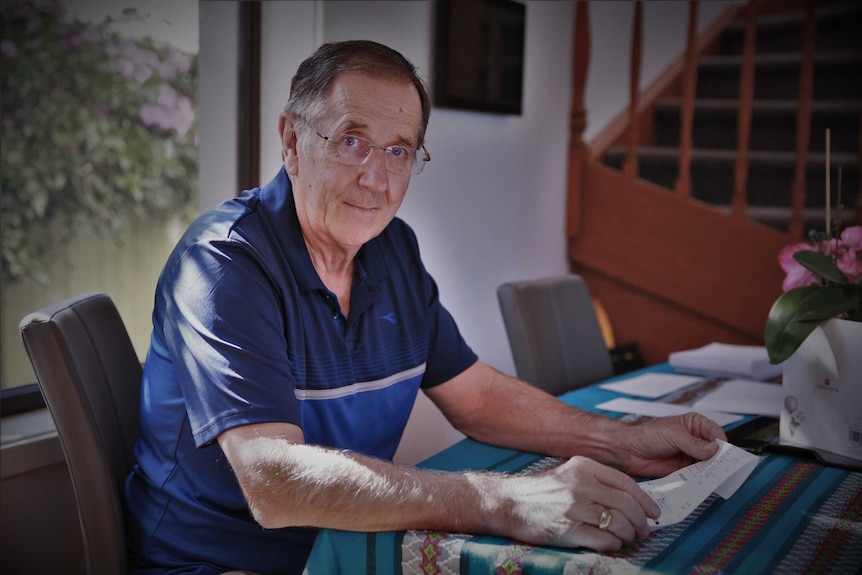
(354, 150)
(399, 160)
(350, 149)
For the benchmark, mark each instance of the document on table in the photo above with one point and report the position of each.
(744, 396)
(750, 361)
(679, 493)
(652, 385)
(659, 409)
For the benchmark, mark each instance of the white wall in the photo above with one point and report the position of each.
(490, 207)
(218, 99)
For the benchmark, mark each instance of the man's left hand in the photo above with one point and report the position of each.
(660, 446)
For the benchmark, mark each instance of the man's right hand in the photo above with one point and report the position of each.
(563, 506)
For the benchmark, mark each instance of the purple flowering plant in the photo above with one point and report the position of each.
(96, 130)
(824, 281)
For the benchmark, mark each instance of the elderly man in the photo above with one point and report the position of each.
(293, 328)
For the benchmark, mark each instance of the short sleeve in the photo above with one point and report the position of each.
(224, 331)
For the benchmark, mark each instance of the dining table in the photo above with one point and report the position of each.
(792, 515)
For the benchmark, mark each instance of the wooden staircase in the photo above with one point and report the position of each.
(677, 264)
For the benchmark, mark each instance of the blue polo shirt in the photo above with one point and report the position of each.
(245, 332)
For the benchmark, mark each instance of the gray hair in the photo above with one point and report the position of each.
(310, 85)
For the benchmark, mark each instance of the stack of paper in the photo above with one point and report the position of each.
(661, 409)
(746, 397)
(652, 385)
(746, 361)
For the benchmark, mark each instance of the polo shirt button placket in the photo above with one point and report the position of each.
(334, 303)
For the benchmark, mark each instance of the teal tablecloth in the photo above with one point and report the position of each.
(790, 516)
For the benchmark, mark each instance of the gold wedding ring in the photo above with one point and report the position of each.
(605, 520)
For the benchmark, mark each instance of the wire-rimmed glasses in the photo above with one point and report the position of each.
(354, 150)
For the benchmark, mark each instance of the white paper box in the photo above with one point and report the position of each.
(823, 390)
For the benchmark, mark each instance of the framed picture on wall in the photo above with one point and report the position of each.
(479, 55)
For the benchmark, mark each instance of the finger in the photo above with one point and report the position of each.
(623, 483)
(710, 430)
(615, 521)
(700, 442)
(586, 535)
(628, 511)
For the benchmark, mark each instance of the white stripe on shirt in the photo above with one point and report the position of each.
(355, 388)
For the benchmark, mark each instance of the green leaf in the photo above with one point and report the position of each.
(822, 265)
(784, 332)
(827, 302)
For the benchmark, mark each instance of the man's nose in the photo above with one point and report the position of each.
(373, 172)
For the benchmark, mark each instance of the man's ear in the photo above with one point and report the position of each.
(289, 144)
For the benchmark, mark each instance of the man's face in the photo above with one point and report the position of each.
(341, 207)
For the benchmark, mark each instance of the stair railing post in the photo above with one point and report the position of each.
(578, 119)
(738, 204)
(803, 121)
(689, 82)
(630, 166)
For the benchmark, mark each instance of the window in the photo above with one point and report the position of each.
(99, 163)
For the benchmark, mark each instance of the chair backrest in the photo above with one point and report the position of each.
(90, 376)
(556, 340)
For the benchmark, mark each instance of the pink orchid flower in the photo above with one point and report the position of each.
(797, 275)
(848, 252)
(850, 260)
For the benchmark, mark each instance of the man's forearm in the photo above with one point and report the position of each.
(495, 408)
(510, 413)
(292, 484)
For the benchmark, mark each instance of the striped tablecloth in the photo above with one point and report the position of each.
(791, 516)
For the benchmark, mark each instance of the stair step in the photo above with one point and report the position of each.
(783, 59)
(812, 218)
(837, 28)
(837, 75)
(773, 124)
(770, 174)
(765, 106)
(722, 156)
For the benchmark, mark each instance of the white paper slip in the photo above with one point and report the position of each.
(679, 493)
(744, 396)
(659, 409)
(750, 361)
(652, 384)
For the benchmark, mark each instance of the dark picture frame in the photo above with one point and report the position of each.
(479, 55)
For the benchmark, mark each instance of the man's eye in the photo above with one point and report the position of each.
(350, 141)
(398, 151)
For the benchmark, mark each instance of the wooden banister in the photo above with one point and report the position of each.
(746, 95)
(630, 166)
(803, 120)
(578, 150)
(622, 220)
(689, 82)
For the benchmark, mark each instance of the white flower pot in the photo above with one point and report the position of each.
(823, 390)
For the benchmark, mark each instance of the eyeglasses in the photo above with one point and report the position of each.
(354, 150)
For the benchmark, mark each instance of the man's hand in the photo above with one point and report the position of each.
(563, 506)
(661, 446)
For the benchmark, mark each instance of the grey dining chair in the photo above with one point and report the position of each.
(90, 377)
(555, 335)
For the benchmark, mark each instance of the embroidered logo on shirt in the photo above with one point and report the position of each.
(390, 317)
